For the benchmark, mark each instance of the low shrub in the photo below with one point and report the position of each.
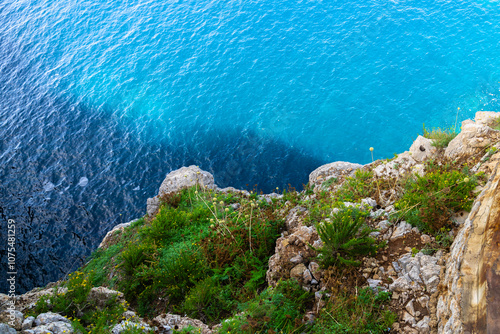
(356, 187)
(275, 310)
(441, 137)
(361, 313)
(345, 237)
(74, 304)
(428, 201)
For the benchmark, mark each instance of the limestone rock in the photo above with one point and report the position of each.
(29, 299)
(401, 229)
(331, 170)
(6, 329)
(417, 273)
(470, 297)
(178, 322)
(396, 168)
(487, 118)
(28, 322)
(101, 295)
(369, 202)
(56, 327)
(422, 149)
(288, 247)
(178, 179)
(153, 205)
(423, 325)
(186, 177)
(307, 277)
(297, 272)
(120, 227)
(315, 270)
(472, 140)
(12, 317)
(126, 325)
(294, 218)
(49, 317)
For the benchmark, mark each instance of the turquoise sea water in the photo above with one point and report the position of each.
(99, 100)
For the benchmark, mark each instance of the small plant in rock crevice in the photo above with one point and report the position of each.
(441, 138)
(428, 201)
(345, 237)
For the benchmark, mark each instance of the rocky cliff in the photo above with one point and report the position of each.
(418, 236)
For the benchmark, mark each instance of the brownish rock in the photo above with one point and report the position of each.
(470, 298)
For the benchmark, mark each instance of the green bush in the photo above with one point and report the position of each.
(356, 187)
(74, 304)
(441, 138)
(345, 237)
(364, 313)
(209, 301)
(278, 310)
(429, 201)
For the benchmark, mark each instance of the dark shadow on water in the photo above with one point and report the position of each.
(69, 173)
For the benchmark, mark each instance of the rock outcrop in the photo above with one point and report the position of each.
(169, 322)
(470, 302)
(332, 170)
(178, 179)
(471, 141)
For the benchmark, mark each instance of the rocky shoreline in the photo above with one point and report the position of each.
(450, 290)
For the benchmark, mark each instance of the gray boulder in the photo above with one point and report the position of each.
(12, 317)
(186, 177)
(28, 322)
(49, 317)
(101, 295)
(119, 227)
(130, 325)
(6, 329)
(472, 140)
(422, 149)
(331, 170)
(178, 179)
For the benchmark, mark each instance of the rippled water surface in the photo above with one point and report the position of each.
(99, 100)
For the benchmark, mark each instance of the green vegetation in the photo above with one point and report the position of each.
(357, 187)
(345, 237)
(278, 310)
(198, 256)
(428, 201)
(361, 185)
(365, 312)
(441, 137)
(86, 316)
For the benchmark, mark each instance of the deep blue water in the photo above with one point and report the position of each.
(99, 100)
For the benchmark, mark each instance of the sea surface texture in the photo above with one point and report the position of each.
(99, 100)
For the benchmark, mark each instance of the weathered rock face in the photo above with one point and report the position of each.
(472, 140)
(126, 326)
(30, 298)
(6, 329)
(328, 171)
(186, 177)
(12, 317)
(293, 257)
(109, 236)
(178, 179)
(168, 322)
(396, 168)
(470, 302)
(99, 296)
(488, 118)
(422, 149)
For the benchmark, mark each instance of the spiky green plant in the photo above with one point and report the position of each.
(345, 237)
